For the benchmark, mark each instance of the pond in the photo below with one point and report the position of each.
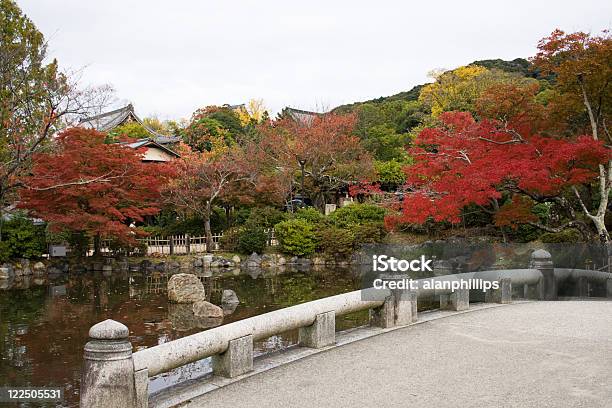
(44, 322)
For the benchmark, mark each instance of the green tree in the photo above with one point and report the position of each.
(385, 144)
(130, 130)
(203, 133)
(336, 242)
(211, 126)
(390, 174)
(228, 118)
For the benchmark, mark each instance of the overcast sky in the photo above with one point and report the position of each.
(171, 57)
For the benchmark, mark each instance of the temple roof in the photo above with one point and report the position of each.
(105, 122)
(151, 143)
(303, 116)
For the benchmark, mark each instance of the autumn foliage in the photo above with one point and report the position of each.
(205, 179)
(89, 186)
(522, 143)
(321, 151)
(465, 162)
(581, 64)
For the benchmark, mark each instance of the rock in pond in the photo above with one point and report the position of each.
(318, 260)
(219, 262)
(253, 260)
(182, 318)
(185, 288)
(228, 309)
(229, 297)
(203, 308)
(6, 271)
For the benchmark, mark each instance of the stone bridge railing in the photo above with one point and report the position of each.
(113, 376)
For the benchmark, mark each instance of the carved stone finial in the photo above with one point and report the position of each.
(541, 254)
(109, 330)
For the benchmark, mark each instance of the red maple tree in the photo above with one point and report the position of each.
(85, 185)
(204, 179)
(467, 162)
(321, 151)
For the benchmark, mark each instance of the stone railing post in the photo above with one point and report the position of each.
(542, 261)
(457, 300)
(107, 380)
(236, 360)
(501, 295)
(321, 333)
(384, 316)
(399, 309)
(405, 307)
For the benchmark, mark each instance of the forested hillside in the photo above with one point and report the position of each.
(517, 65)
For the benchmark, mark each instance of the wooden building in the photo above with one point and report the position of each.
(158, 147)
(299, 115)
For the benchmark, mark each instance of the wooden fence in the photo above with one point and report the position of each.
(171, 245)
(179, 244)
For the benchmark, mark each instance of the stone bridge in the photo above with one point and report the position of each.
(504, 352)
(535, 354)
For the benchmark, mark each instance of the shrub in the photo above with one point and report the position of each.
(356, 214)
(266, 217)
(252, 239)
(310, 214)
(296, 237)
(569, 235)
(336, 241)
(230, 239)
(22, 239)
(369, 233)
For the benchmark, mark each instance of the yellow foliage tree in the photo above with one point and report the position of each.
(256, 109)
(458, 90)
(253, 112)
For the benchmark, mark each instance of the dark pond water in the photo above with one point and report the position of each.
(44, 321)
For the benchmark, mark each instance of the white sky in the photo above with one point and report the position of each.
(171, 57)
